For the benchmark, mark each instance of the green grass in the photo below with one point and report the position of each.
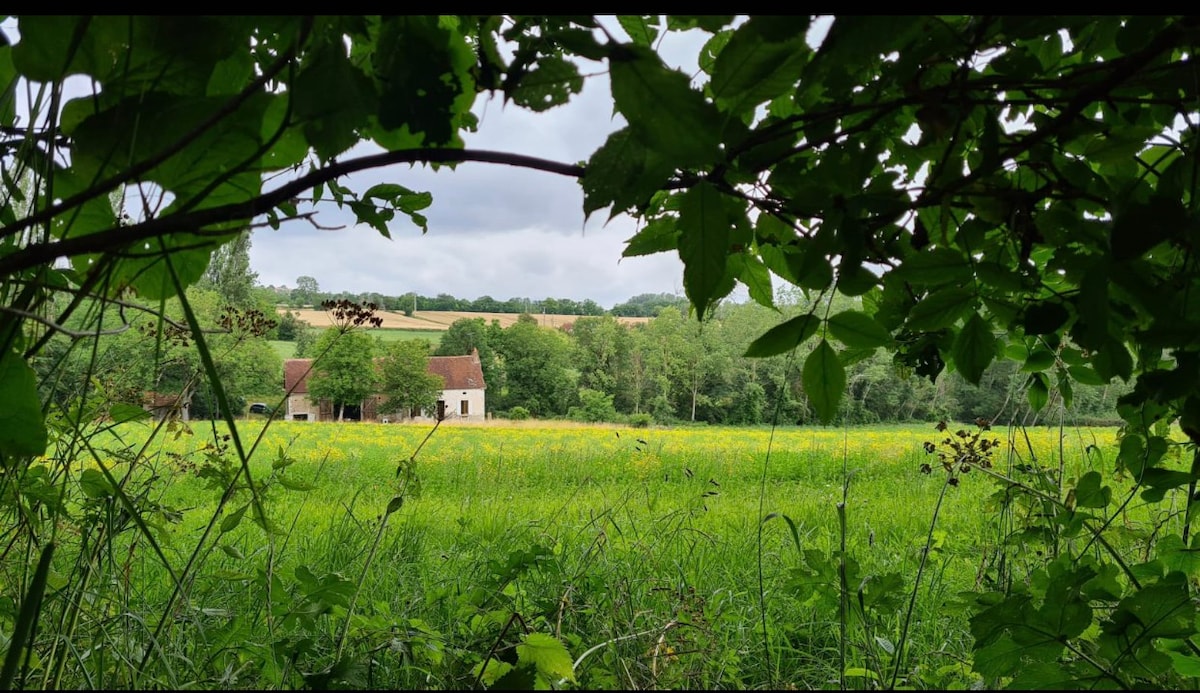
(641, 544)
(286, 350)
(394, 335)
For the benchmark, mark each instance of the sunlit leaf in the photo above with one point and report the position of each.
(548, 655)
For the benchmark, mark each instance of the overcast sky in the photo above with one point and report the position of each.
(494, 230)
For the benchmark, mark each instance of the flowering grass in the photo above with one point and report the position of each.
(643, 550)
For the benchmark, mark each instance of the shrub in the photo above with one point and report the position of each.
(518, 413)
(640, 420)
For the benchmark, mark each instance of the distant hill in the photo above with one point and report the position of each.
(440, 320)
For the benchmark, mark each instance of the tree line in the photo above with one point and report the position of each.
(672, 369)
(308, 293)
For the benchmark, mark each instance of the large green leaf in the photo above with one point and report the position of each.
(939, 309)
(858, 330)
(784, 337)
(659, 235)
(974, 348)
(935, 267)
(751, 69)
(705, 223)
(22, 428)
(662, 108)
(754, 274)
(622, 173)
(548, 655)
(332, 97)
(423, 69)
(1140, 226)
(824, 381)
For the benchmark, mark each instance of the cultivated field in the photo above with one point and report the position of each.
(441, 320)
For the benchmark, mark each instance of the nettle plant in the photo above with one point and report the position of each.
(1019, 187)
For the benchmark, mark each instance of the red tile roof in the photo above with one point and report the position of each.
(458, 373)
(295, 376)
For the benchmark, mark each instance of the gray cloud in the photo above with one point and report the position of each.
(494, 230)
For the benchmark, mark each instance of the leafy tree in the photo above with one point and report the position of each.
(603, 352)
(404, 379)
(537, 367)
(229, 274)
(344, 372)
(307, 292)
(467, 334)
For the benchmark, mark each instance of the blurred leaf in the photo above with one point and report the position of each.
(22, 428)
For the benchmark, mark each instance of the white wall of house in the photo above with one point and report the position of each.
(454, 400)
(300, 405)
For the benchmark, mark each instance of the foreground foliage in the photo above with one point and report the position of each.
(991, 186)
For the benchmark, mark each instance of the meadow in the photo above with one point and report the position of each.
(406, 556)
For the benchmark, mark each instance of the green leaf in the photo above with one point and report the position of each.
(550, 83)
(1140, 226)
(1162, 610)
(784, 337)
(642, 29)
(622, 173)
(548, 655)
(294, 485)
(824, 381)
(1090, 494)
(1086, 376)
(660, 235)
(1171, 551)
(858, 330)
(940, 309)
(1037, 392)
(423, 69)
(662, 108)
(704, 223)
(1039, 359)
(120, 412)
(94, 484)
(1044, 317)
(233, 519)
(974, 348)
(332, 98)
(754, 274)
(1185, 665)
(22, 428)
(935, 267)
(493, 670)
(750, 70)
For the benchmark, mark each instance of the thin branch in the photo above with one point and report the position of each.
(120, 237)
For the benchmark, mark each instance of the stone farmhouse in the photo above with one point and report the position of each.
(462, 397)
